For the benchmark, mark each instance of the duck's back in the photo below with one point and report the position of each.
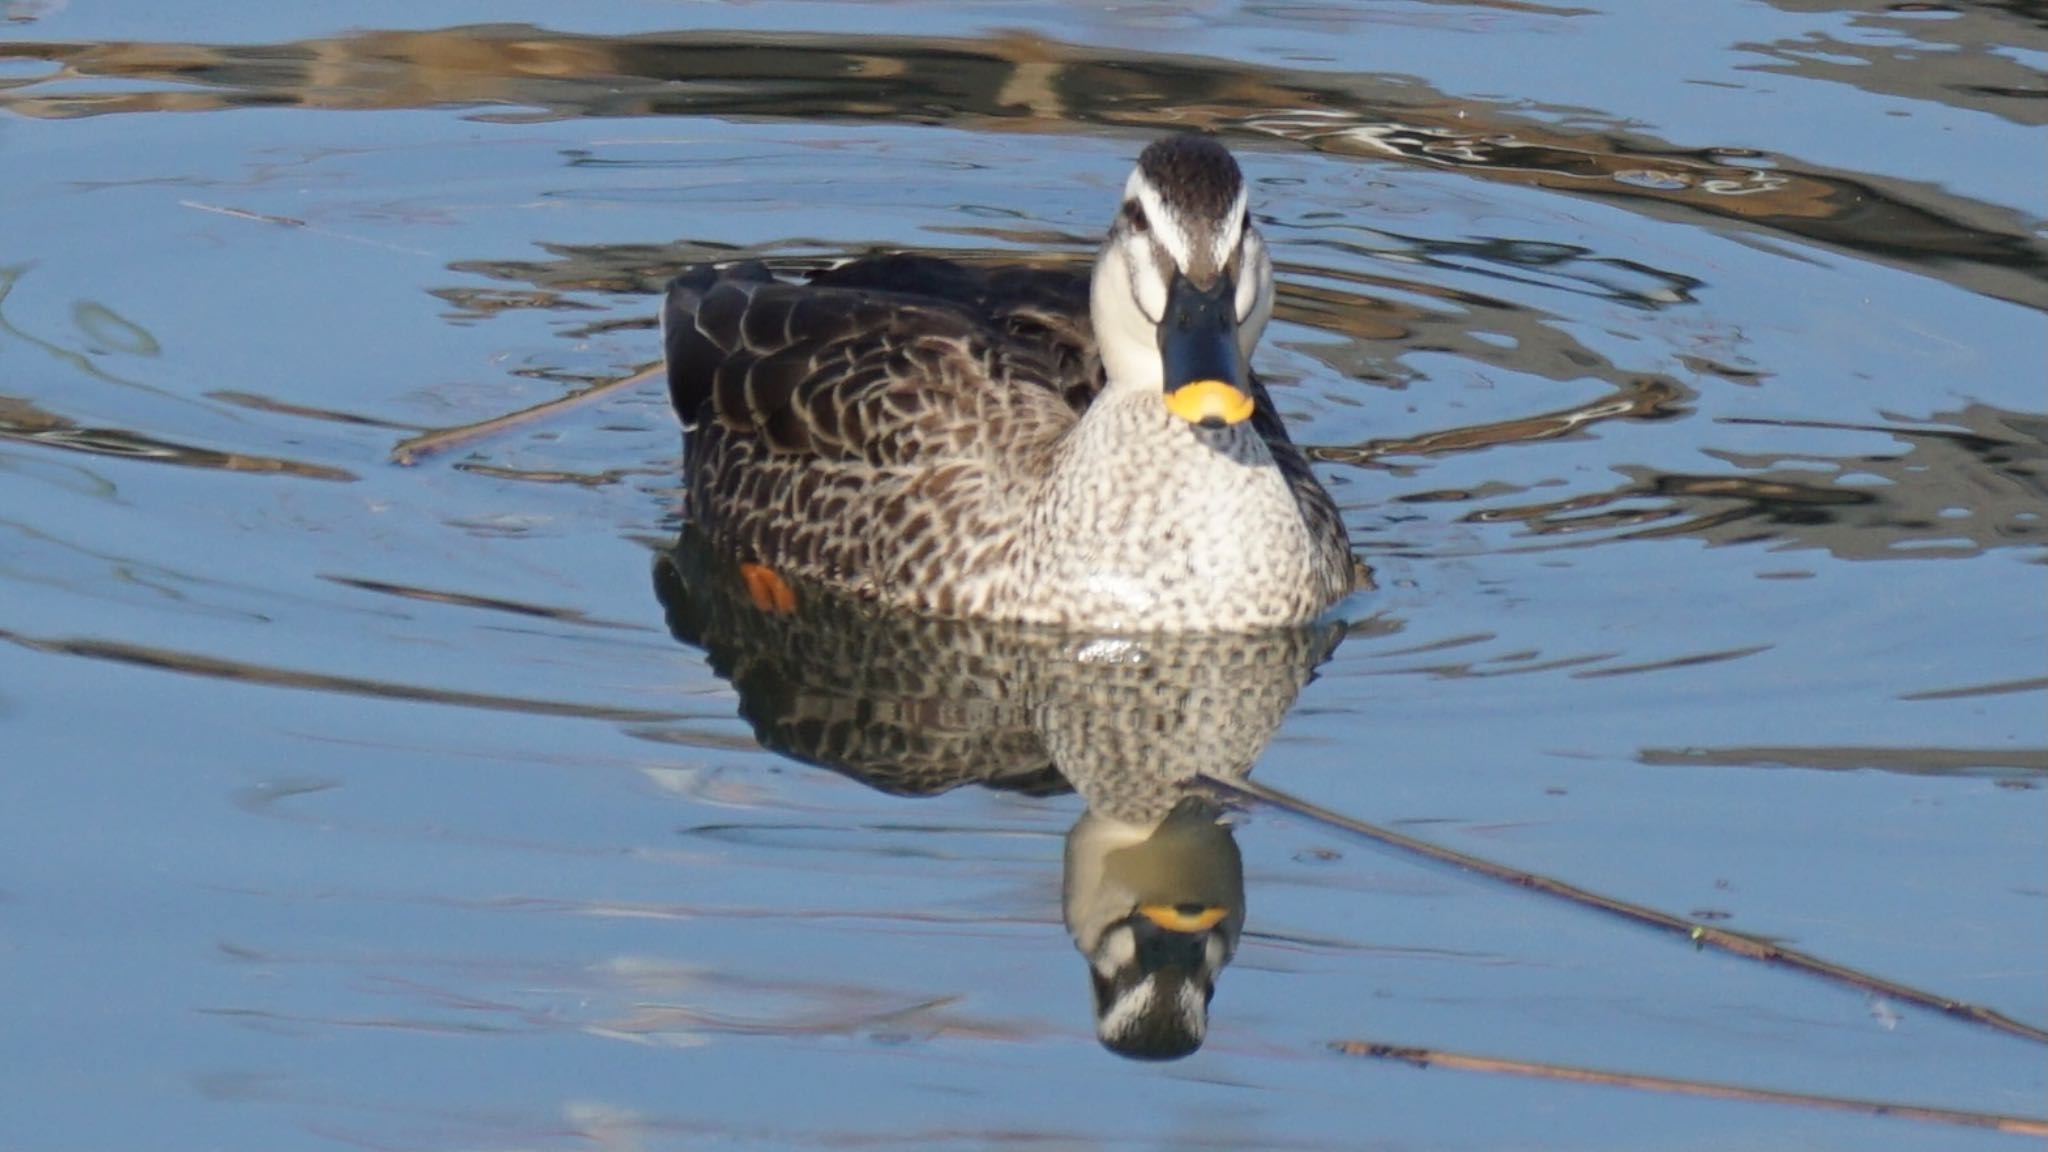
(1041, 309)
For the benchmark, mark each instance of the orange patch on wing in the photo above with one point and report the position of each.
(770, 592)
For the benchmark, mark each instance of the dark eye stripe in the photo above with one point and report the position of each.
(1135, 214)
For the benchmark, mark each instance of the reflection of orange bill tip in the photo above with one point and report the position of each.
(1210, 402)
(1183, 917)
(768, 591)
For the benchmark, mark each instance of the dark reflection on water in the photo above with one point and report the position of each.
(1935, 53)
(1979, 483)
(23, 422)
(249, 672)
(1153, 885)
(1027, 83)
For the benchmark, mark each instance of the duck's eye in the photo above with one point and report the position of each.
(1134, 213)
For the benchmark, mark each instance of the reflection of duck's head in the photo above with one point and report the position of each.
(1157, 912)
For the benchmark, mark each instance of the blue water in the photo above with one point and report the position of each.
(1680, 381)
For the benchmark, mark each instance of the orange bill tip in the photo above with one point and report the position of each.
(1210, 402)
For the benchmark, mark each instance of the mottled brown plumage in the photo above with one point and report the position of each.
(946, 439)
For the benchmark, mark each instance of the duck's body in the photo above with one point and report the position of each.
(1009, 444)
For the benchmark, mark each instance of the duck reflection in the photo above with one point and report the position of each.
(1156, 908)
(914, 706)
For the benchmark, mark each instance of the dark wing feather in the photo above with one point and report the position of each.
(1044, 310)
(839, 371)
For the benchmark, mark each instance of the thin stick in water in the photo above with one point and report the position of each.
(413, 449)
(1436, 1058)
(1701, 935)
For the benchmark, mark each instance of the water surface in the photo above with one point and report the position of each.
(1679, 378)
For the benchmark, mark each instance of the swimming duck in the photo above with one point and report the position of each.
(1019, 444)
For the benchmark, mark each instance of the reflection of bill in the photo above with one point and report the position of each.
(914, 706)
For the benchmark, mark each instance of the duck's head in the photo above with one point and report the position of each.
(1157, 912)
(1183, 286)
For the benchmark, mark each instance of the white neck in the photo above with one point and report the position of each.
(1127, 338)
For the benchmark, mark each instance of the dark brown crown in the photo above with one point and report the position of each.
(1197, 178)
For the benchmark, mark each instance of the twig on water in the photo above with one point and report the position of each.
(303, 225)
(413, 449)
(1436, 1058)
(1701, 935)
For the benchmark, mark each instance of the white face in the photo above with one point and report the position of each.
(1149, 244)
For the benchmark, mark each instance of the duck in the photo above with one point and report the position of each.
(1028, 444)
